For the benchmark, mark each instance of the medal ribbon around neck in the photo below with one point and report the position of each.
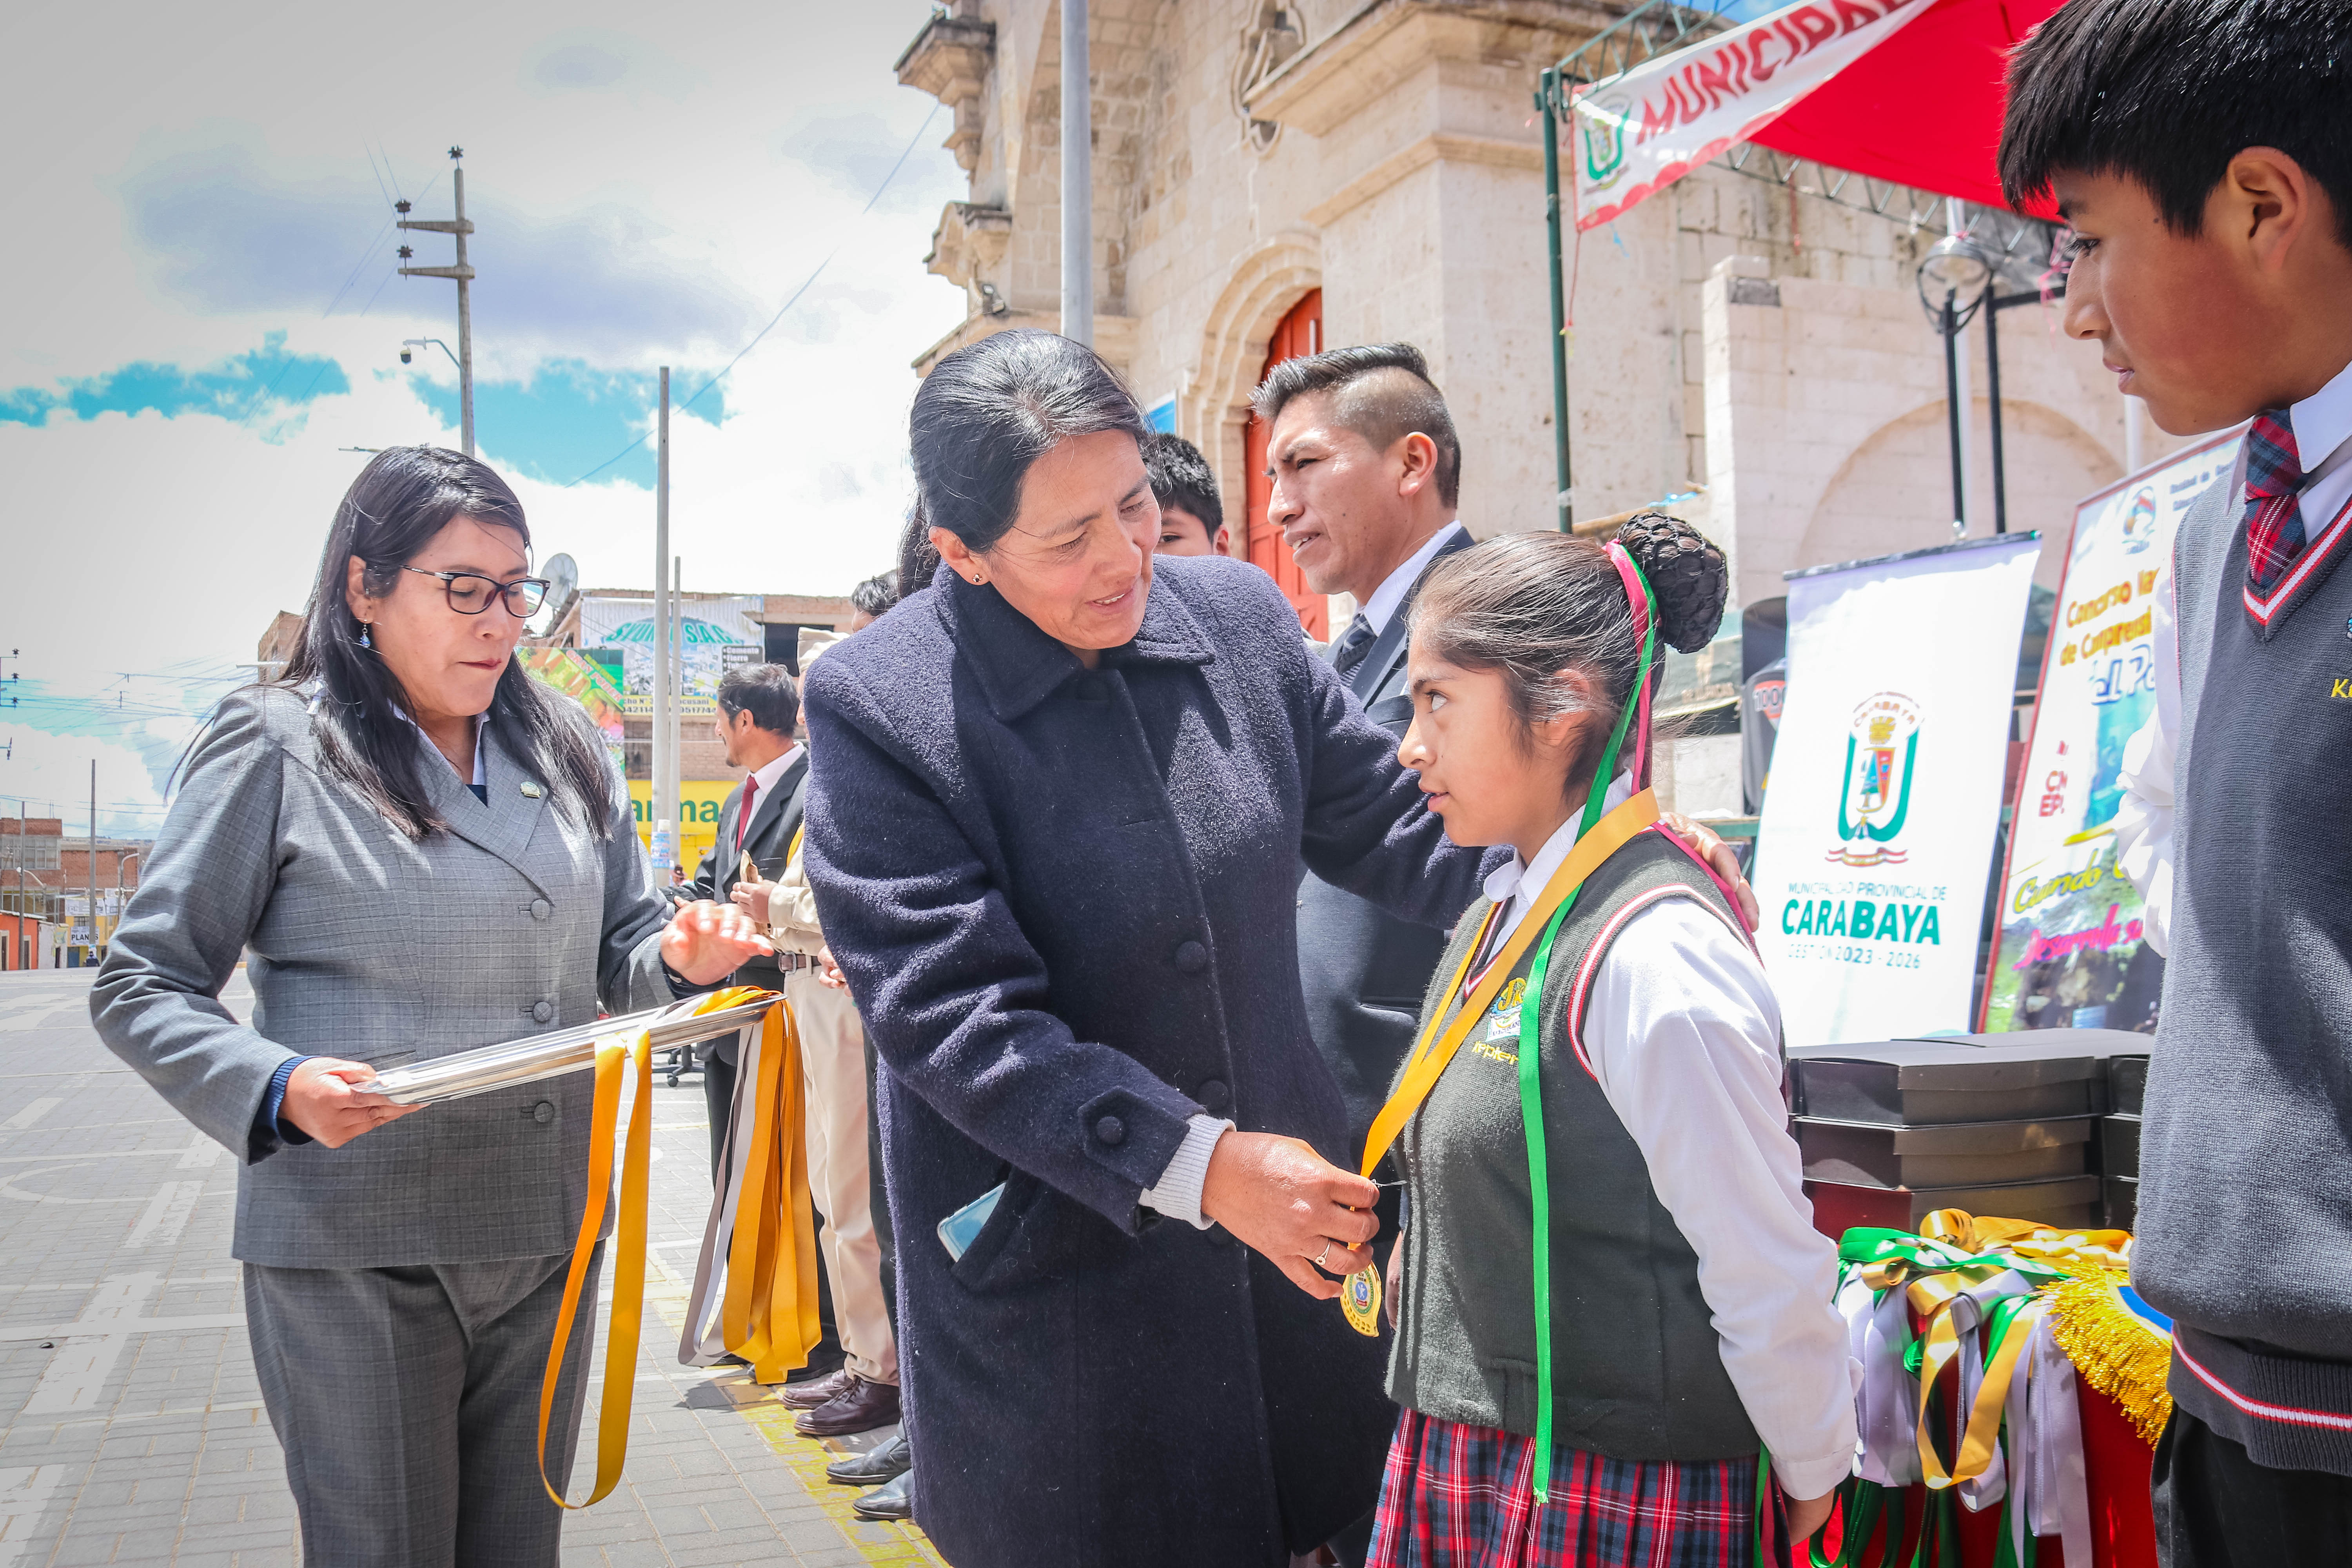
(1598, 837)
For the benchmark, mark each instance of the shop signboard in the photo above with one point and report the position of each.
(698, 821)
(2071, 951)
(1878, 829)
(714, 636)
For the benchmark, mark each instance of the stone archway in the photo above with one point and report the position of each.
(1893, 492)
(1213, 408)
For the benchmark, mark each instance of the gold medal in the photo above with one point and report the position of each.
(1360, 1298)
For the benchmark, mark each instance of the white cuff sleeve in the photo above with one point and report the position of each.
(1177, 1193)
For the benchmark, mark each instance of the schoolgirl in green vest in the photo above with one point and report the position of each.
(1608, 1294)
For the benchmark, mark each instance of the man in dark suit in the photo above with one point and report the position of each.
(758, 708)
(1367, 469)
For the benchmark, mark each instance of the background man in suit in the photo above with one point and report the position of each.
(1191, 518)
(1366, 468)
(759, 707)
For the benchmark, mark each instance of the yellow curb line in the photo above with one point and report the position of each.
(875, 1541)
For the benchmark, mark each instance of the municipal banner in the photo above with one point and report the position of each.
(1640, 132)
(1877, 834)
(2072, 952)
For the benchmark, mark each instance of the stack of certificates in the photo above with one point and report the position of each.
(481, 1070)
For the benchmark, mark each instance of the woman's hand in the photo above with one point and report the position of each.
(329, 1100)
(1807, 1516)
(707, 942)
(1279, 1198)
(1708, 846)
(828, 973)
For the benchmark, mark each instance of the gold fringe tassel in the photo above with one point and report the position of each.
(2114, 1349)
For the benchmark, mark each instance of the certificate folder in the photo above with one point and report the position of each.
(486, 1068)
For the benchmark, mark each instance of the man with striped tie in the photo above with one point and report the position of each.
(1366, 468)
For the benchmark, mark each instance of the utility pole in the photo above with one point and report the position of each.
(464, 274)
(91, 947)
(1078, 178)
(676, 665)
(664, 837)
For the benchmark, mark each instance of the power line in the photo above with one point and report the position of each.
(787, 305)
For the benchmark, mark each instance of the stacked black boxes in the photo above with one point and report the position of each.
(2120, 1139)
(2013, 1125)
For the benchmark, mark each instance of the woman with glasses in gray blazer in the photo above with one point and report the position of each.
(417, 849)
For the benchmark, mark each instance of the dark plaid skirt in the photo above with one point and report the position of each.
(1464, 1496)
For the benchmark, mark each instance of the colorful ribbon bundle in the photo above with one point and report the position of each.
(1987, 1297)
(770, 1312)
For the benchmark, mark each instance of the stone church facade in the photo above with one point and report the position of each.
(1270, 178)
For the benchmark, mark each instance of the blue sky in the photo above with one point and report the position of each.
(233, 389)
(219, 343)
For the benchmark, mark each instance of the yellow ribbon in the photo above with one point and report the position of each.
(1611, 834)
(628, 1260)
(1992, 1247)
(777, 1165)
(768, 1315)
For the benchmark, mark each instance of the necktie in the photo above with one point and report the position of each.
(743, 818)
(2274, 535)
(1353, 644)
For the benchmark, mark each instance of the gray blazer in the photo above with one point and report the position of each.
(363, 943)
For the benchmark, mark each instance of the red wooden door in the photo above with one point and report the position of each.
(1299, 333)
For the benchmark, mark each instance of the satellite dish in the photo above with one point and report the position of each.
(562, 584)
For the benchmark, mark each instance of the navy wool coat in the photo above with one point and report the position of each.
(1066, 903)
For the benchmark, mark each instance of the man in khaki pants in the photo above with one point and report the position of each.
(864, 1394)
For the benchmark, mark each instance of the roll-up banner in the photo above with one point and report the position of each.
(1876, 841)
(2071, 952)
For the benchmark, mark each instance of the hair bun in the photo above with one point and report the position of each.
(1687, 576)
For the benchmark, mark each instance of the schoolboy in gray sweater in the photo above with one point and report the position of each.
(2202, 152)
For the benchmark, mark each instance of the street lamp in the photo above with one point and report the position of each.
(408, 343)
(1955, 276)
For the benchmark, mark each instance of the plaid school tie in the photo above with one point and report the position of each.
(2274, 535)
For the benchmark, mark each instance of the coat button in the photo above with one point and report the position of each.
(542, 1011)
(543, 1113)
(541, 908)
(1094, 689)
(1192, 958)
(1214, 1096)
(1111, 1129)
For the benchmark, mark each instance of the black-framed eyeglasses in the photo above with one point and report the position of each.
(470, 593)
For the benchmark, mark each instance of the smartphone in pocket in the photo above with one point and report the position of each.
(959, 1229)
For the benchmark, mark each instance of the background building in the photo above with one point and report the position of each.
(1748, 347)
(45, 879)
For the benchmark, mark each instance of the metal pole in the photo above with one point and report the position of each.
(1952, 408)
(2135, 434)
(1077, 177)
(1546, 100)
(1992, 397)
(91, 947)
(464, 275)
(677, 693)
(664, 837)
(465, 323)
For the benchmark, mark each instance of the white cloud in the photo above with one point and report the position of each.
(641, 201)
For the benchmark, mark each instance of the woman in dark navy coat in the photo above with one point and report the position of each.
(1058, 804)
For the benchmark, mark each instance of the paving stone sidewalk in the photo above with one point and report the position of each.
(137, 1433)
